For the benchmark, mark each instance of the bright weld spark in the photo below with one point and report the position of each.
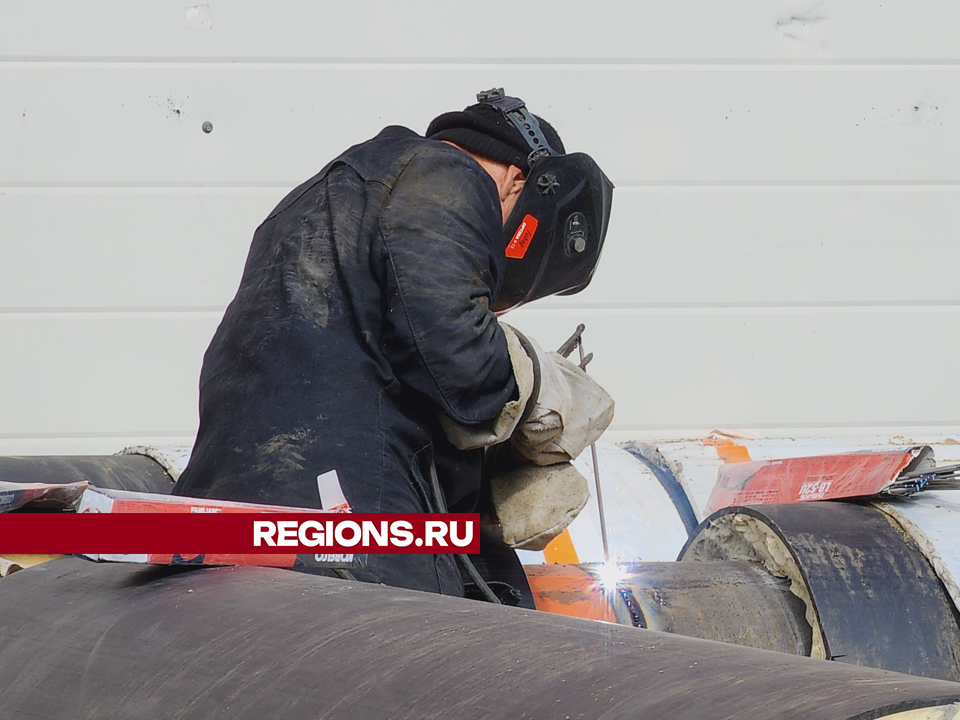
(610, 576)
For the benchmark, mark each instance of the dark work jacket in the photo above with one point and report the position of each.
(364, 309)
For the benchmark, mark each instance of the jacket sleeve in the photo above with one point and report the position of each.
(441, 231)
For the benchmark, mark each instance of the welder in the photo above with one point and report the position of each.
(364, 336)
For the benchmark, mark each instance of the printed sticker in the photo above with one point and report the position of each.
(521, 239)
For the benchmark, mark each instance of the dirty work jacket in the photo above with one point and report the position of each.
(364, 308)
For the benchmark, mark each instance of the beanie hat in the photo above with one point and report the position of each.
(484, 130)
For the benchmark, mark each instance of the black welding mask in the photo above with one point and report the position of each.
(555, 233)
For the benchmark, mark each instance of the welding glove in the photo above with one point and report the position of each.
(559, 410)
(534, 503)
(570, 410)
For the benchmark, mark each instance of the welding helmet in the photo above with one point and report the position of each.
(555, 233)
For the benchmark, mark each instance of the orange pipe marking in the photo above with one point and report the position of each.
(568, 590)
(561, 550)
(729, 451)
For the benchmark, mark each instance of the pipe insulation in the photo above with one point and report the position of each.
(82, 640)
(871, 596)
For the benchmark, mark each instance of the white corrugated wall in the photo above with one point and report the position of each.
(785, 244)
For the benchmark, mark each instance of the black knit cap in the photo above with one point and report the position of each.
(483, 129)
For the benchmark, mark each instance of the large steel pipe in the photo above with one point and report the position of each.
(80, 640)
(871, 596)
(734, 602)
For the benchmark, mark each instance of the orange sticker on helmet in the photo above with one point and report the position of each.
(521, 239)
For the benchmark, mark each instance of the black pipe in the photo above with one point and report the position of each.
(80, 640)
(136, 473)
(733, 602)
(876, 598)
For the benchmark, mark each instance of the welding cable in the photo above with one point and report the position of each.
(465, 561)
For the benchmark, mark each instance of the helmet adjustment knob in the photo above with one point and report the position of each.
(547, 184)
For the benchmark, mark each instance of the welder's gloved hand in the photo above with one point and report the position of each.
(534, 503)
(569, 412)
(559, 410)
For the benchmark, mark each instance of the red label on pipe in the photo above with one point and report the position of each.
(804, 479)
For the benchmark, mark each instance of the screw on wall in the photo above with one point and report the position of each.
(207, 127)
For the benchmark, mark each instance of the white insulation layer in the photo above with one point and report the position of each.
(642, 523)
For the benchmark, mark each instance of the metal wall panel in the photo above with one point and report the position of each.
(70, 374)
(126, 248)
(678, 369)
(168, 248)
(277, 123)
(785, 225)
(124, 374)
(388, 30)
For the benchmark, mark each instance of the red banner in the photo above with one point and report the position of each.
(223, 534)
